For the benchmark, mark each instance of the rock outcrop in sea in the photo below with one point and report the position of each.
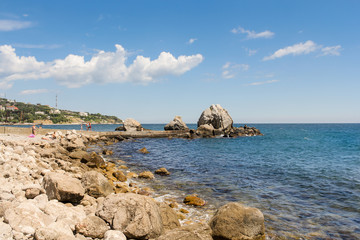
(176, 124)
(130, 125)
(216, 121)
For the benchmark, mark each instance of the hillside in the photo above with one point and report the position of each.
(18, 112)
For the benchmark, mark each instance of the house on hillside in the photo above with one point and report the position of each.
(11, 108)
(55, 111)
(83, 114)
(2, 108)
(40, 113)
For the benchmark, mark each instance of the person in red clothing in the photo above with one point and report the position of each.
(89, 126)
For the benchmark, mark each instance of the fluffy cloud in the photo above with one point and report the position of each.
(104, 67)
(12, 25)
(296, 49)
(253, 34)
(231, 69)
(192, 40)
(33, 91)
(333, 50)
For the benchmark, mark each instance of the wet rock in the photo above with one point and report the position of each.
(114, 235)
(132, 125)
(176, 124)
(144, 150)
(169, 217)
(235, 221)
(92, 226)
(162, 171)
(205, 130)
(194, 200)
(95, 161)
(146, 175)
(63, 188)
(217, 117)
(107, 152)
(132, 175)
(96, 185)
(135, 215)
(193, 232)
(120, 176)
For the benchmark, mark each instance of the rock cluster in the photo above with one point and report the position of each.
(176, 124)
(54, 190)
(216, 121)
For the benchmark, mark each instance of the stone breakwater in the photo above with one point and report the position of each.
(52, 188)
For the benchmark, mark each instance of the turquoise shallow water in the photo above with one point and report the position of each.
(305, 178)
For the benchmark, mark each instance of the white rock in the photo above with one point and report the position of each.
(114, 235)
(5, 231)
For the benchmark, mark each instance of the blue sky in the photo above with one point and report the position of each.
(263, 61)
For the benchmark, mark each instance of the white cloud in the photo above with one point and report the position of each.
(192, 40)
(230, 70)
(103, 67)
(33, 91)
(333, 50)
(262, 83)
(296, 49)
(253, 34)
(12, 25)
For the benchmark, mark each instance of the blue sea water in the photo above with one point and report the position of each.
(305, 178)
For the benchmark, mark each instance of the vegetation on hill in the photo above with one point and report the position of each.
(18, 112)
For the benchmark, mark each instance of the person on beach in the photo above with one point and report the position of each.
(89, 126)
(33, 128)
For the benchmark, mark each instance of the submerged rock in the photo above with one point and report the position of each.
(147, 175)
(176, 124)
(235, 221)
(162, 171)
(194, 200)
(144, 150)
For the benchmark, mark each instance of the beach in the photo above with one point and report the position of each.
(53, 188)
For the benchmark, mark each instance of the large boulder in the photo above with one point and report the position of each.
(26, 218)
(137, 216)
(176, 124)
(217, 117)
(132, 125)
(63, 188)
(92, 226)
(235, 221)
(96, 185)
(169, 217)
(190, 232)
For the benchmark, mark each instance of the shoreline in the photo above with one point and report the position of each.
(35, 168)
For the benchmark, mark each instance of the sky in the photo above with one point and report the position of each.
(263, 61)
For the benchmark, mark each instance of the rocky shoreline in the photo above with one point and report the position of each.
(51, 187)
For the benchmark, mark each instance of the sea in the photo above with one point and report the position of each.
(305, 178)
